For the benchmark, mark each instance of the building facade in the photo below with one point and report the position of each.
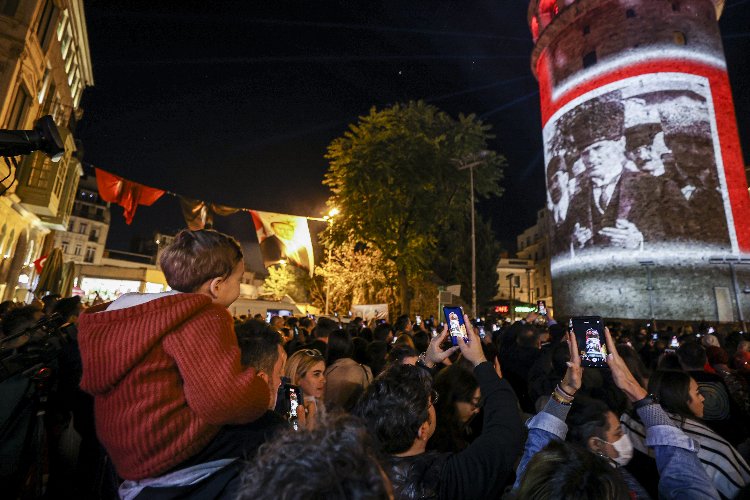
(85, 239)
(647, 194)
(534, 246)
(45, 65)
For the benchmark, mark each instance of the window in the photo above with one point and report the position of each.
(83, 228)
(545, 290)
(46, 22)
(41, 168)
(19, 110)
(65, 246)
(589, 59)
(78, 250)
(90, 253)
(630, 13)
(679, 38)
(8, 7)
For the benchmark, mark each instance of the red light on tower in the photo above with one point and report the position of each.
(645, 177)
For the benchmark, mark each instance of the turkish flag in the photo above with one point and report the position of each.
(127, 194)
(39, 263)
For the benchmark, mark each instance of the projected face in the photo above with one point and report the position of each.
(642, 170)
(604, 160)
(650, 154)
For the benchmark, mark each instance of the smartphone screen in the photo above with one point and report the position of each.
(541, 307)
(454, 316)
(293, 396)
(434, 332)
(418, 319)
(655, 336)
(481, 332)
(711, 329)
(589, 332)
(674, 343)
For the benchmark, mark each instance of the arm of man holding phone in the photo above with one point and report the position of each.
(482, 469)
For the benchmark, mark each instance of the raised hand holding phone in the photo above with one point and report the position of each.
(620, 372)
(472, 348)
(434, 353)
(571, 382)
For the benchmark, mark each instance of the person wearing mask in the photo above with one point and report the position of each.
(345, 378)
(306, 369)
(398, 409)
(680, 397)
(551, 468)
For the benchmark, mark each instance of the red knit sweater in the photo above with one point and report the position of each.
(165, 376)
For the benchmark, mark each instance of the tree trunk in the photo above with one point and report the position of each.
(403, 291)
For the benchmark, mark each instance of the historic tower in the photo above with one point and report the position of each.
(647, 194)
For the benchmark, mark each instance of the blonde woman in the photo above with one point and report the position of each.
(306, 369)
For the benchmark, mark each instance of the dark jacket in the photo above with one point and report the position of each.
(482, 469)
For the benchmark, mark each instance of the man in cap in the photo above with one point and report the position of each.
(613, 208)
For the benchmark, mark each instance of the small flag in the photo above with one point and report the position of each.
(283, 237)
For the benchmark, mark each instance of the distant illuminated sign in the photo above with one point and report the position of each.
(523, 309)
(502, 309)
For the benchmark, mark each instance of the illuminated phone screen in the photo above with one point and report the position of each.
(454, 317)
(589, 332)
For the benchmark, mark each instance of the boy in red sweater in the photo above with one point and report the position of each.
(164, 369)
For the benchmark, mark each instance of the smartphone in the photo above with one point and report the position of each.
(454, 316)
(418, 319)
(380, 322)
(541, 307)
(711, 329)
(481, 332)
(655, 336)
(495, 327)
(434, 332)
(293, 395)
(674, 343)
(589, 332)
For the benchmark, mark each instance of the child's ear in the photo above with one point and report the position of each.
(213, 287)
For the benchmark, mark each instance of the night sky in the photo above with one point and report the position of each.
(235, 102)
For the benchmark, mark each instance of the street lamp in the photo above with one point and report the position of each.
(329, 219)
(469, 163)
(510, 279)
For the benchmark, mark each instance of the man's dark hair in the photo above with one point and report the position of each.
(376, 353)
(381, 332)
(587, 418)
(305, 322)
(692, 356)
(258, 344)
(335, 461)
(399, 353)
(394, 405)
(325, 327)
(67, 307)
(339, 346)
(567, 471)
(401, 323)
(527, 337)
(19, 319)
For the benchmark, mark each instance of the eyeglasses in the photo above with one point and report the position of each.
(312, 352)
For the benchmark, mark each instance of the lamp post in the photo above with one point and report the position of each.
(329, 219)
(462, 164)
(510, 278)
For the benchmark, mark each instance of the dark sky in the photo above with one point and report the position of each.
(235, 102)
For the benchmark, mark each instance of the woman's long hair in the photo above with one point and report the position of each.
(453, 384)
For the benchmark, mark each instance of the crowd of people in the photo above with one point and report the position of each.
(172, 397)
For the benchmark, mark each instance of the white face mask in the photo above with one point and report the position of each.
(624, 449)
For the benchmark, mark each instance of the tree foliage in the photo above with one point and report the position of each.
(395, 179)
(286, 280)
(357, 274)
